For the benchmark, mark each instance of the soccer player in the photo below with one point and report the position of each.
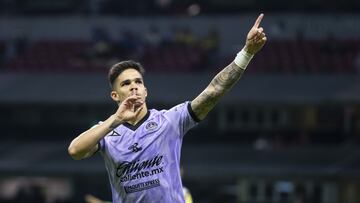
(141, 147)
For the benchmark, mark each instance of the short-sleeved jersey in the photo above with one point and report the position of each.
(143, 161)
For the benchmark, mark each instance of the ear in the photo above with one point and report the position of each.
(114, 96)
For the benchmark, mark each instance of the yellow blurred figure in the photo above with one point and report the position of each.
(188, 198)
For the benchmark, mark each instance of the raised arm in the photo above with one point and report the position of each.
(226, 78)
(86, 143)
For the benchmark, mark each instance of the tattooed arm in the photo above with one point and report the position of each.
(221, 83)
(227, 78)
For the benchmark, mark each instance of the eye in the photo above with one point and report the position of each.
(138, 82)
(125, 83)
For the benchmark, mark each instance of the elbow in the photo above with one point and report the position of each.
(74, 153)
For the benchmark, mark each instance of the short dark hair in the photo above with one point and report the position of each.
(118, 68)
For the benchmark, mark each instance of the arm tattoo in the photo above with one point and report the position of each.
(227, 77)
(220, 84)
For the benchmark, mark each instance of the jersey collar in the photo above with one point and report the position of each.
(134, 127)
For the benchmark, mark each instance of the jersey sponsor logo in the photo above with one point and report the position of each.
(141, 174)
(151, 126)
(142, 186)
(135, 148)
(137, 166)
(127, 171)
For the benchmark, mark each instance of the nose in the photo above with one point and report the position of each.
(133, 89)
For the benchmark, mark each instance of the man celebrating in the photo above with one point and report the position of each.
(141, 147)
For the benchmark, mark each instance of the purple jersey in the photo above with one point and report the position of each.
(143, 161)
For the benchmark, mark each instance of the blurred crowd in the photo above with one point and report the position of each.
(164, 7)
(151, 45)
(175, 49)
(178, 49)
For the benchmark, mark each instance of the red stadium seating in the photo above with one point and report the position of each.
(285, 57)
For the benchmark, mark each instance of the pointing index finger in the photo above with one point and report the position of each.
(258, 20)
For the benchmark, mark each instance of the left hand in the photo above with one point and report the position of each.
(256, 38)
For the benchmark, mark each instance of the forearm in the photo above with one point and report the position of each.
(85, 143)
(225, 80)
(219, 85)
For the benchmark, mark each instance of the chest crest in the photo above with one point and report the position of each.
(151, 126)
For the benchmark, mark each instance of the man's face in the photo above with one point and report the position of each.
(129, 82)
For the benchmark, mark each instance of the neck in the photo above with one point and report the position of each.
(140, 116)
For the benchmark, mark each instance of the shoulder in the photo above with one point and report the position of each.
(177, 108)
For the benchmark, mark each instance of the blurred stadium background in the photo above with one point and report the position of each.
(288, 132)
